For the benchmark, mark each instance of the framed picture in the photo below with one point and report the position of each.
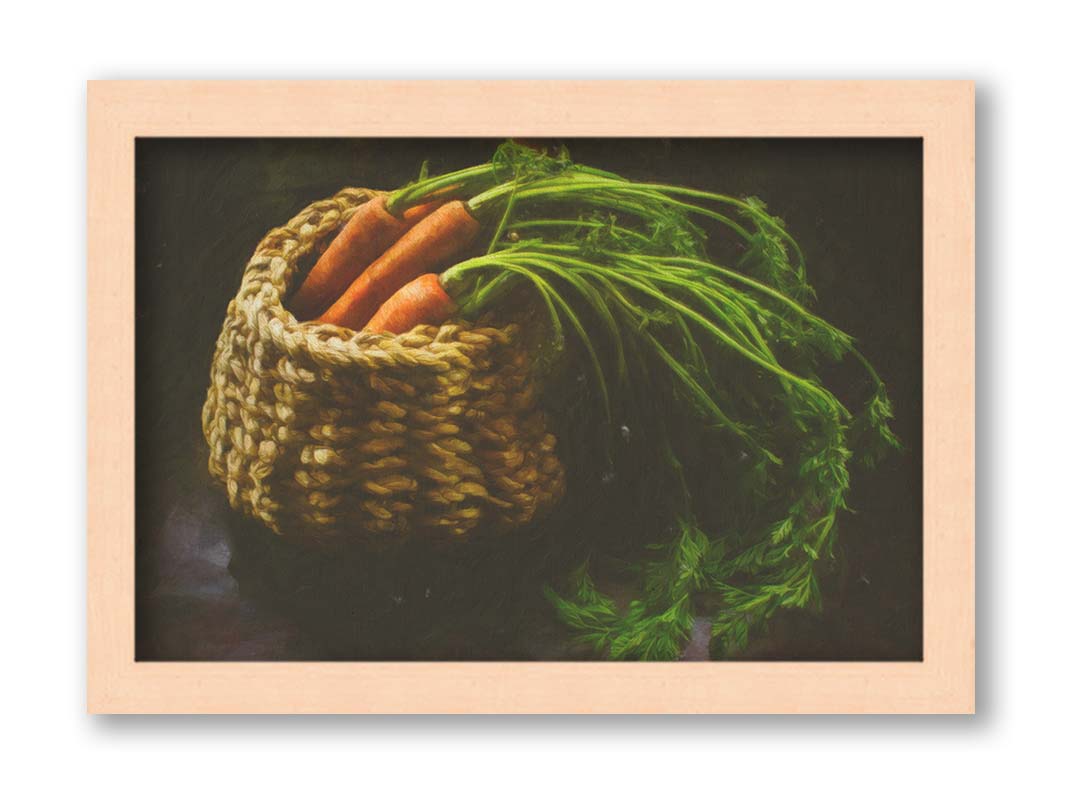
(531, 397)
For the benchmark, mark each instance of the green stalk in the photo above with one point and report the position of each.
(503, 221)
(564, 190)
(442, 187)
(552, 299)
(696, 266)
(526, 265)
(630, 277)
(746, 207)
(581, 224)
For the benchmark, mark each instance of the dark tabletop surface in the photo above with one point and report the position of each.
(213, 585)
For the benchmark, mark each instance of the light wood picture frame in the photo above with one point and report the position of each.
(940, 112)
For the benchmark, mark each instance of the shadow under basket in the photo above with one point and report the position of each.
(326, 434)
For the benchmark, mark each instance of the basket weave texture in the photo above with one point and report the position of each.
(321, 432)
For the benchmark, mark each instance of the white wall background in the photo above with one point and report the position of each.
(1014, 51)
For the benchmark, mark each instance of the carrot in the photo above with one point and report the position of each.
(366, 235)
(427, 247)
(423, 301)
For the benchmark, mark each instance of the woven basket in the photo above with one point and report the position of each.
(325, 433)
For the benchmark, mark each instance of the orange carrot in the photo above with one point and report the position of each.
(421, 302)
(427, 247)
(366, 235)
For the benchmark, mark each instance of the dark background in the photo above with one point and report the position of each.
(212, 585)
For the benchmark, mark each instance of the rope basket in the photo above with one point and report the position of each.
(325, 433)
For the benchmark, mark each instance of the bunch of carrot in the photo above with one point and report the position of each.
(386, 244)
(376, 253)
(621, 270)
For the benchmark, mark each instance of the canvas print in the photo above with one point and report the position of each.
(620, 399)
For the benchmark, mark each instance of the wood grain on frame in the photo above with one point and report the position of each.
(941, 112)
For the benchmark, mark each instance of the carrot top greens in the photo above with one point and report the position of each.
(684, 357)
